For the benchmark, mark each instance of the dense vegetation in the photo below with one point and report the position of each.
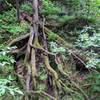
(50, 50)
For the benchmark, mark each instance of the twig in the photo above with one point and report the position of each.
(79, 59)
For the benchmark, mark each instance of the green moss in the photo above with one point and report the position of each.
(52, 36)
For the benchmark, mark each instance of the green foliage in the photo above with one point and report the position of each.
(85, 7)
(94, 7)
(7, 85)
(11, 89)
(9, 24)
(94, 61)
(74, 10)
(27, 7)
(49, 8)
(8, 16)
(16, 28)
(42, 73)
(52, 36)
(88, 8)
(94, 84)
(56, 49)
(86, 41)
(89, 19)
(89, 39)
(42, 87)
(65, 19)
(6, 61)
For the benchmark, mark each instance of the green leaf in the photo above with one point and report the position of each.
(19, 92)
(11, 92)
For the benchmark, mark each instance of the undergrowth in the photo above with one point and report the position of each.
(88, 41)
(9, 24)
(8, 86)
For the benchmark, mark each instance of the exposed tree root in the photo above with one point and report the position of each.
(41, 93)
(31, 51)
(50, 70)
(67, 75)
(30, 63)
(48, 32)
(59, 39)
(14, 41)
(30, 60)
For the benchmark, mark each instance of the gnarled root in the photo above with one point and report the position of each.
(73, 83)
(53, 73)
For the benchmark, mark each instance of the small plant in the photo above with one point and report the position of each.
(7, 85)
(65, 19)
(93, 81)
(6, 61)
(56, 49)
(8, 16)
(89, 39)
(93, 61)
(27, 7)
(9, 24)
(42, 73)
(49, 8)
(52, 37)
